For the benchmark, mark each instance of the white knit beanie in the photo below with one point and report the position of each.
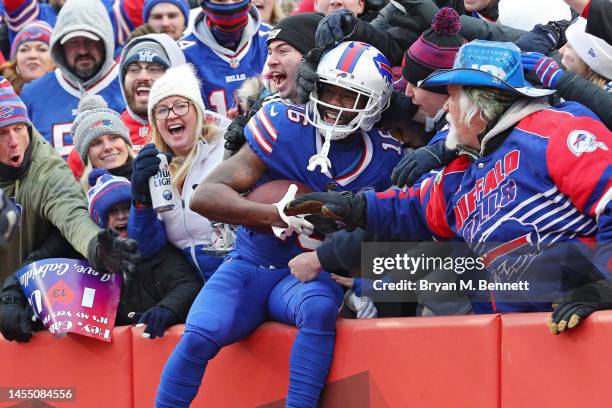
(594, 51)
(176, 81)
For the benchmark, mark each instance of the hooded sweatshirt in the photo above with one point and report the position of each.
(53, 116)
(222, 71)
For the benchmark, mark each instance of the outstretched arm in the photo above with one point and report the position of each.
(218, 196)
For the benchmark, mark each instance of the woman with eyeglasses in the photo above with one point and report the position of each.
(193, 148)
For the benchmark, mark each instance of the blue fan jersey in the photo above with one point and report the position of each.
(52, 104)
(221, 74)
(280, 135)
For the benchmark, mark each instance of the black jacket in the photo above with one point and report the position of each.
(393, 40)
(572, 87)
(599, 20)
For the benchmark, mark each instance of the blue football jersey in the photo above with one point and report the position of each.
(52, 104)
(221, 74)
(280, 135)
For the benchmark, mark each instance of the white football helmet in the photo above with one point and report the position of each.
(357, 67)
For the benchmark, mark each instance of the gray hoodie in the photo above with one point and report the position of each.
(174, 53)
(83, 15)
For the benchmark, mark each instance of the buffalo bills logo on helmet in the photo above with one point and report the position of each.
(103, 122)
(384, 68)
(581, 141)
(6, 111)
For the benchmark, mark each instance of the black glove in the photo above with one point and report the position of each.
(234, 135)
(334, 28)
(110, 254)
(9, 218)
(15, 318)
(579, 304)
(346, 207)
(417, 162)
(146, 165)
(307, 76)
(157, 319)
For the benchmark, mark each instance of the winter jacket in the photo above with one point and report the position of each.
(47, 195)
(184, 228)
(599, 19)
(393, 40)
(572, 87)
(539, 177)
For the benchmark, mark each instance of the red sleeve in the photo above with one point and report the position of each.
(579, 162)
(12, 5)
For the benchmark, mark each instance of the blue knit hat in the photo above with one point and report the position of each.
(106, 191)
(12, 108)
(34, 31)
(181, 4)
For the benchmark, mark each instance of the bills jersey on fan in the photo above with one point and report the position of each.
(281, 137)
(221, 74)
(52, 104)
(548, 183)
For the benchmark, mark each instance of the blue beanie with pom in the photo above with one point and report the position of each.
(106, 191)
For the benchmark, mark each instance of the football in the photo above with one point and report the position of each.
(272, 192)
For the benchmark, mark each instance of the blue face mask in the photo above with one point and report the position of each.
(227, 20)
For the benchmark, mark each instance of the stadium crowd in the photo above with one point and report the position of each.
(482, 123)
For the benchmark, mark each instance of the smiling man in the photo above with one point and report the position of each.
(288, 42)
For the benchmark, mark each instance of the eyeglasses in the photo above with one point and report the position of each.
(179, 109)
(154, 70)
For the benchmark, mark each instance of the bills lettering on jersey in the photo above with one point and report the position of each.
(489, 193)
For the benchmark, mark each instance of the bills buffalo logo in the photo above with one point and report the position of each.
(508, 259)
(6, 111)
(382, 64)
(581, 141)
(103, 122)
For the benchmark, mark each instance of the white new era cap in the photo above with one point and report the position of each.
(79, 33)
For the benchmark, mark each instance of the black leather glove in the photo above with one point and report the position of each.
(234, 135)
(307, 76)
(579, 304)
(146, 165)
(15, 318)
(157, 319)
(9, 218)
(417, 162)
(334, 28)
(110, 254)
(346, 207)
